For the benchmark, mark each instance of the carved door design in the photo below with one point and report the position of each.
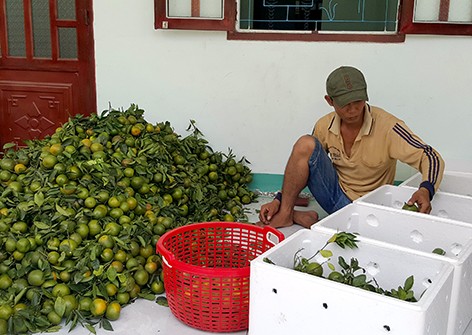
(47, 69)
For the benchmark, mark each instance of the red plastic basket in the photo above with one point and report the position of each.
(206, 272)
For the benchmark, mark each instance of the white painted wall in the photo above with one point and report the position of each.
(259, 97)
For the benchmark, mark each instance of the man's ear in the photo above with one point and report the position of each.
(329, 100)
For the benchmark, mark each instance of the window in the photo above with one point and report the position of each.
(318, 15)
(452, 17)
(341, 20)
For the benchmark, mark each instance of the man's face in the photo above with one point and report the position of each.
(352, 113)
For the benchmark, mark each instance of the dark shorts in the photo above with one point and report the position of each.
(323, 181)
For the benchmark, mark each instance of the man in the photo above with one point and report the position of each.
(351, 152)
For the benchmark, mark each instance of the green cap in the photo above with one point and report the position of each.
(346, 84)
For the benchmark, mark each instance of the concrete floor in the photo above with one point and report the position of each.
(145, 317)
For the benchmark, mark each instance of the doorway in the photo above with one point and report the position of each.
(47, 66)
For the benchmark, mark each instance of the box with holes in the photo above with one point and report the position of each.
(424, 234)
(445, 205)
(285, 301)
(453, 182)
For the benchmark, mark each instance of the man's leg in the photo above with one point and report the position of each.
(295, 179)
(308, 165)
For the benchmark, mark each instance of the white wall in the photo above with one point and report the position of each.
(259, 97)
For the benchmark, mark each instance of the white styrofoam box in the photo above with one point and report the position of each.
(445, 205)
(284, 301)
(453, 182)
(420, 234)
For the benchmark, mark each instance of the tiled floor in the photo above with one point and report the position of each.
(148, 318)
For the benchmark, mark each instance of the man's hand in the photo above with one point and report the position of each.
(268, 211)
(421, 198)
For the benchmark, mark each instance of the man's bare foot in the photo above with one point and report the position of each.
(305, 218)
(279, 220)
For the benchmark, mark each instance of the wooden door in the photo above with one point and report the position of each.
(47, 66)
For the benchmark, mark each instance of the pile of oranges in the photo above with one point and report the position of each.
(81, 212)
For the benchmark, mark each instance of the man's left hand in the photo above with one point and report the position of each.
(421, 198)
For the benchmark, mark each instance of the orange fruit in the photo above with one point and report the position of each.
(5, 312)
(85, 303)
(141, 277)
(121, 255)
(113, 311)
(106, 241)
(36, 277)
(5, 281)
(114, 202)
(100, 211)
(119, 267)
(111, 289)
(60, 290)
(94, 227)
(135, 130)
(157, 287)
(20, 168)
(86, 142)
(123, 298)
(128, 172)
(213, 176)
(49, 161)
(54, 318)
(98, 307)
(71, 304)
(56, 149)
(7, 164)
(107, 254)
(96, 146)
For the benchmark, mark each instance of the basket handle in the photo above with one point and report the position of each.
(272, 235)
(167, 263)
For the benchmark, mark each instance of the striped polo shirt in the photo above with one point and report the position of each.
(382, 140)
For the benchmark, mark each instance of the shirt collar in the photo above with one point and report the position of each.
(335, 127)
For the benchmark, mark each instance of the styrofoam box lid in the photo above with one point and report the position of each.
(403, 229)
(453, 182)
(389, 266)
(444, 205)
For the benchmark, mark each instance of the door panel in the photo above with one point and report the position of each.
(35, 108)
(47, 66)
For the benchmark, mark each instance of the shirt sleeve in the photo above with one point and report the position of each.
(410, 149)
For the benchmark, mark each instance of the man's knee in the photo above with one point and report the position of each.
(304, 145)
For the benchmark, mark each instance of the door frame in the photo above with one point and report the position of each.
(85, 66)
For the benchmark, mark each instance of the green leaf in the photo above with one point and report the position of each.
(141, 239)
(39, 198)
(198, 195)
(20, 295)
(267, 260)
(359, 281)
(343, 263)
(439, 251)
(99, 271)
(326, 253)
(111, 273)
(9, 145)
(331, 267)
(333, 238)
(409, 283)
(90, 328)
(61, 210)
(41, 225)
(162, 301)
(60, 306)
(147, 296)
(106, 324)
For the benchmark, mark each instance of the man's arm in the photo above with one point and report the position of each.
(410, 149)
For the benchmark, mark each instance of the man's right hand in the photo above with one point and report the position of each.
(268, 211)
